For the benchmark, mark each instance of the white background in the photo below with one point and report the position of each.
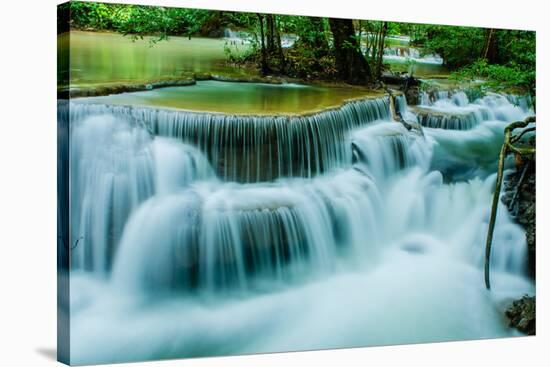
(28, 182)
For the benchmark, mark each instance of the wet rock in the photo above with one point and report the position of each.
(413, 95)
(520, 198)
(410, 86)
(117, 88)
(522, 315)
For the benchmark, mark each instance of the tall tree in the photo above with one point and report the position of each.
(381, 45)
(281, 54)
(351, 64)
(489, 51)
(316, 37)
(270, 34)
(263, 50)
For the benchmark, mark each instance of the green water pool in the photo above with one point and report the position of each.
(238, 98)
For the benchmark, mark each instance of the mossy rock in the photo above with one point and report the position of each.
(522, 315)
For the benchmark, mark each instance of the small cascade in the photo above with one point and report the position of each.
(114, 167)
(236, 37)
(429, 98)
(465, 121)
(460, 99)
(215, 238)
(229, 33)
(454, 111)
(387, 148)
(403, 108)
(402, 51)
(506, 107)
(525, 102)
(406, 53)
(288, 40)
(257, 148)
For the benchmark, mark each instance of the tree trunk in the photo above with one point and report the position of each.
(263, 63)
(270, 33)
(282, 61)
(350, 62)
(318, 41)
(380, 56)
(489, 52)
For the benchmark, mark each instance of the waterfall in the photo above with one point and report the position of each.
(217, 234)
(405, 53)
(403, 108)
(216, 238)
(429, 98)
(237, 37)
(229, 33)
(256, 148)
(454, 111)
(459, 121)
(114, 167)
(399, 148)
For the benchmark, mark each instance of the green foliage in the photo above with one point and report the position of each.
(458, 46)
(504, 61)
(498, 77)
(516, 48)
(238, 56)
(475, 92)
(302, 63)
(137, 20)
(399, 29)
(94, 15)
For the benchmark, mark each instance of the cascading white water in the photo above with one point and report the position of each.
(386, 149)
(256, 148)
(114, 167)
(374, 248)
(241, 37)
(453, 110)
(233, 234)
(405, 53)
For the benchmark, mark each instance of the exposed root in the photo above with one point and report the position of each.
(507, 147)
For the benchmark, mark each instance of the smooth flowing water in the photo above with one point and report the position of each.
(382, 244)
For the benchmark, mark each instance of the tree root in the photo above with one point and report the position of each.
(507, 147)
(516, 191)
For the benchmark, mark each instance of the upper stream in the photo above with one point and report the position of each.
(103, 58)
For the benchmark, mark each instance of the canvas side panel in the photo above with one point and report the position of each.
(63, 215)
